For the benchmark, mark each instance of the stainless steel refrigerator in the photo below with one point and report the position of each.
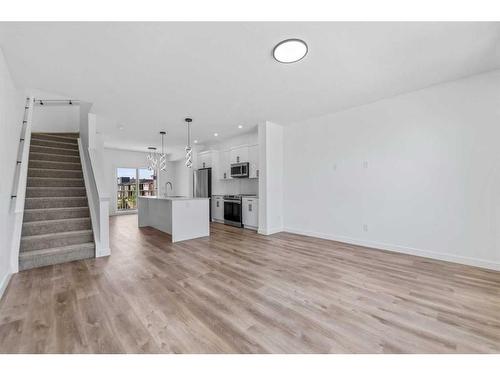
(202, 185)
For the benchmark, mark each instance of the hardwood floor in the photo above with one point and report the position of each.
(239, 292)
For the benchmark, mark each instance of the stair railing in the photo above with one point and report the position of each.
(20, 178)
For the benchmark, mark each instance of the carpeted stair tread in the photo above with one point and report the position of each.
(48, 164)
(41, 156)
(64, 135)
(40, 214)
(54, 144)
(56, 138)
(55, 202)
(55, 226)
(49, 240)
(56, 255)
(55, 173)
(53, 150)
(55, 182)
(47, 192)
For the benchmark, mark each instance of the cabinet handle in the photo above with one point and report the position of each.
(217, 203)
(257, 173)
(250, 207)
(224, 174)
(203, 164)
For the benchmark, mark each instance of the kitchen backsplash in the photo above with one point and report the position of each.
(235, 186)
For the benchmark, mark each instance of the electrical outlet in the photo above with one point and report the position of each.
(365, 227)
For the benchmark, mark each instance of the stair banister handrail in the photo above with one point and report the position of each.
(20, 179)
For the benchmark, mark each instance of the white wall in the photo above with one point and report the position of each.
(181, 180)
(167, 176)
(12, 103)
(417, 173)
(60, 118)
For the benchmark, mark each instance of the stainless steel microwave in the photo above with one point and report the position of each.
(239, 170)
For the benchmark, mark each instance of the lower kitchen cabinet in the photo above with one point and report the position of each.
(217, 208)
(250, 212)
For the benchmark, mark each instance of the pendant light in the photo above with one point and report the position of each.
(189, 150)
(163, 156)
(151, 158)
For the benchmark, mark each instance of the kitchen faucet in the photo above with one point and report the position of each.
(166, 185)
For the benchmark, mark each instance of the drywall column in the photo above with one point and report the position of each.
(270, 178)
(87, 125)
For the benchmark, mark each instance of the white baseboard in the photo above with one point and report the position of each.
(103, 253)
(4, 283)
(127, 212)
(483, 263)
(267, 232)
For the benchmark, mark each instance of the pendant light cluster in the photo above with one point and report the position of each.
(160, 160)
(163, 156)
(189, 149)
(154, 160)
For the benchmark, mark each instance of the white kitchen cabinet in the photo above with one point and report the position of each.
(250, 212)
(253, 160)
(239, 154)
(204, 160)
(224, 165)
(207, 159)
(217, 208)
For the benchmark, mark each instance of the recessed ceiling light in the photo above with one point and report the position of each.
(195, 141)
(290, 51)
(216, 134)
(240, 126)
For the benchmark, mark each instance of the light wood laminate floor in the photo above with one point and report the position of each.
(239, 292)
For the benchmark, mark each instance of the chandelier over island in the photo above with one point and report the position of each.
(163, 156)
(152, 159)
(157, 160)
(189, 149)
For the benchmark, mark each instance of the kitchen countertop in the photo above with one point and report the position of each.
(174, 198)
(242, 196)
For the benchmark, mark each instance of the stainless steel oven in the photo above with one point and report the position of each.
(239, 170)
(232, 210)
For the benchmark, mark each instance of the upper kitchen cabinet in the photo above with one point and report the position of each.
(239, 154)
(206, 159)
(224, 165)
(253, 160)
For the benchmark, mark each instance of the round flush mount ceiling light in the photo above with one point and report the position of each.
(290, 51)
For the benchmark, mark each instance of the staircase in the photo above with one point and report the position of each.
(56, 222)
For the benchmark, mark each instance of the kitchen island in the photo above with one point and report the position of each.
(181, 217)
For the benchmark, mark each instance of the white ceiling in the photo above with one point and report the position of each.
(149, 76)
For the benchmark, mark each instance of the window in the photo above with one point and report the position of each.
(147, 182)
(130, 182)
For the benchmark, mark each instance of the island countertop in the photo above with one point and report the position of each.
(173, 198)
